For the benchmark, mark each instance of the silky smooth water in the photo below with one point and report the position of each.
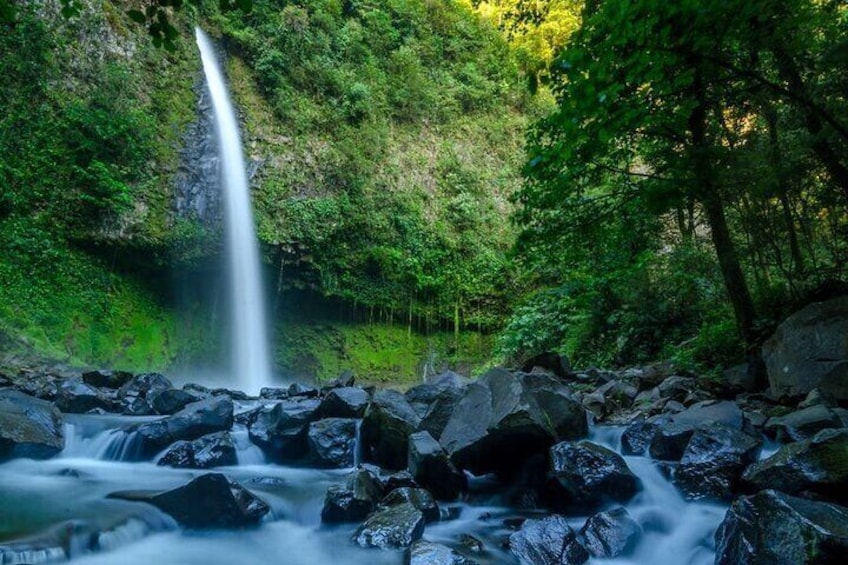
(39, 495)
(250, 350)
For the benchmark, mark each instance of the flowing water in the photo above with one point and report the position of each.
(41, 497)
(250, 351)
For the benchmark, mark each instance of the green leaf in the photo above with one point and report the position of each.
(136, 16)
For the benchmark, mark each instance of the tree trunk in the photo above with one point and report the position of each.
(731, 270)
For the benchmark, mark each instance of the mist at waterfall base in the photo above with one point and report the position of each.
(676, 532)
(248, 344)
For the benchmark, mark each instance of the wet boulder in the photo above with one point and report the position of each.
(136, 395)
(280, 430)
(106, 378)
(388, 423)
(610, 534)
(332, 442)
(424, 552)
(517, 414)
(393, 527)
(212, 450)
(77, 397)
(802, 424)
(809, 350)
(344, 402)
(547, 541)
(430, 466)
(195, 420)
(302, 390)
(817, 465)
(714, 460)
(418, 497)
(638, 435)
(775, 528)
(173, 400)
(354, 501)
(670, 439)
(584, 474)
(29, 427)
(211, 501)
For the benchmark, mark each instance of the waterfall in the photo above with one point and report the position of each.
(251, 359)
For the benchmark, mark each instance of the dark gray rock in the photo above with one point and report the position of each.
(273, 393)
(29, 427)
(300, 389)
(210, 501)
(584, 474)
(637, 437)
(555, 363)
(195, 420)
(772, 528)
(810, 350)
(107, 379)
(430, 466)
(610, 534)
(714, 460)
(548, 541)
(818, 465)
(353, 501)
(136, 395)
(332, 442)
(173, 400)
(802, 424)
(424, 552)
(212, 450)
(344, 402)
(670, 440)
(76, 397)
(280, 430)
(516, 413)
(418, 497)
(439, 413)
(388, 423)
(818, 397)
(677, 387)
(393, 527)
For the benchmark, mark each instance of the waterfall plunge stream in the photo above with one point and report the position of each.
(250, 352)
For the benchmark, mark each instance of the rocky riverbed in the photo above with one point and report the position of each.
(536, 466)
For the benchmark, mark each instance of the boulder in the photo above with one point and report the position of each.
(136, 395)
(439, 413)
(300, 389)
(584, 474)
(638, 435)
(810, 350)
(209, 501)
(424, 552)
(388, 423)
(107, 379)
(610, 534)
(212, 450)
(280, 430)
(714, 460)
(195, 420)
(802, 424)
(430, 466)
(554, 363)
(393, 527)
(518, 414)
(817, 465)
(77, 397)
(29, 427)
(547, 541)
(418, 497)
(670, 439)
(775, 528)
(173, 400)
(354, 501)
(332, 442)
(344, 402)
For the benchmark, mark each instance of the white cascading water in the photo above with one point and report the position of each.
(251, 360)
